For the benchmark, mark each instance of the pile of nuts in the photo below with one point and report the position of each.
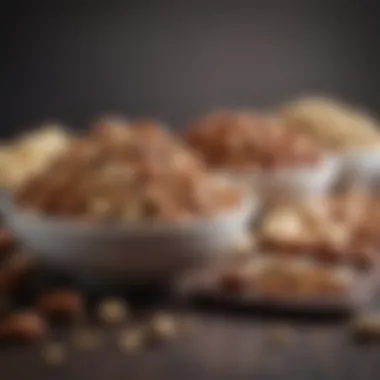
(340, 228)
(244, 140)
(269, 277)
(128, 171)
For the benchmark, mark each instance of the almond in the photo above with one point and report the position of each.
(61, 303)
(25, 325)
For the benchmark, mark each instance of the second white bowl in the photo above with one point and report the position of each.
(298, 181)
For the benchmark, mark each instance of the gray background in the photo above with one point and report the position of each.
(174, 59)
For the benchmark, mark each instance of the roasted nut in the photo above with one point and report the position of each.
(245, 140)
(366, 326)
(23, 325)
(112, 311)
(61, 303)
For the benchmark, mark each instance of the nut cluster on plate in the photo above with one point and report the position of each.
(337, 228)
(245, 140)
(274, 277)
(128, 171)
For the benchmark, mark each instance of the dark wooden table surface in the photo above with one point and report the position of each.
(211, 345)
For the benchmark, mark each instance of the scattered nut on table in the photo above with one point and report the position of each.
(366, 326)
(61, 303)
(54, 353)
(25, 325)
(112, 311)
(162, 327)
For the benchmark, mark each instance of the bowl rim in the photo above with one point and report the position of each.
(246, 206)
(329, 160)
(330, 164)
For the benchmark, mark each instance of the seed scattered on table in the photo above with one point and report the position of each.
(54, 353)
(112, 311)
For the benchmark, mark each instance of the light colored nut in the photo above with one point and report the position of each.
(162, 327)
(23, 325)
(366, 326)
(61, 303)
(112, 311)
(54, 353)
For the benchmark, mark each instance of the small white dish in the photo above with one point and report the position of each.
(362, 164)
(299, 181)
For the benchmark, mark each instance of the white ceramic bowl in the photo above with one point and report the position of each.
(129, 252)
(300, 182)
